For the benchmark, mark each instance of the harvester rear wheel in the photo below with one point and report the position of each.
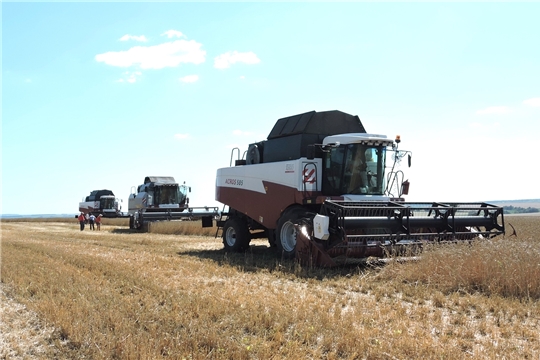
(286, 232)
(236, 236)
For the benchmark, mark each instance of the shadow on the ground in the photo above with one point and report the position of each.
(261, 258)
(125, 231)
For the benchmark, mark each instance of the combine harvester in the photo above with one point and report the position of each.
(160, 198)
(319, 188)
(101, 202)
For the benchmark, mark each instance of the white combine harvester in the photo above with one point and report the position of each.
(101, 202)
(161, 198)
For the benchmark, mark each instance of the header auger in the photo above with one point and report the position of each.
(319, 188)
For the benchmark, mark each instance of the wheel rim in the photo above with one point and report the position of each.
(230, 236)
(288, 237)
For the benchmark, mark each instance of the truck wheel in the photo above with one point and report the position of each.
(286, 232)
(236, 236)
(131, 222)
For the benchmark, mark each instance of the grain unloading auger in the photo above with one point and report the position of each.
(319, 189)
(345, 230)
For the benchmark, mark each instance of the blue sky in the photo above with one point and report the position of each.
(99, 95)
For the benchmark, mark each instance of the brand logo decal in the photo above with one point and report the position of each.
(289, 168)
(235, 182)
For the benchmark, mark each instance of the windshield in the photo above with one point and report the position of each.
(170, 195)
(354, 169)
(107, 203)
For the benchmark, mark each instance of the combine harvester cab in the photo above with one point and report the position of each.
(101, 202)
(320, 189)
(161, 198)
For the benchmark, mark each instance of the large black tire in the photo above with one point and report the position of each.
(236, 236)
(131, 222)
(271, 233)
(138, 221)
(145, 227)
(286, 232)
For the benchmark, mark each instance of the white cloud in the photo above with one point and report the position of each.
(535, 102)
(127, 37)
(242, 77)
(27, 80)
(494, 110)
(224, 61)
(130, 77)
(189, 78)
(173, 33)
(169, 54)
(181, 136)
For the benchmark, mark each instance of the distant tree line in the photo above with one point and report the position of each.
(519, 210)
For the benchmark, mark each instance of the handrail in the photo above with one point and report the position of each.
(393, 180)
(304, 186)
(232, 153)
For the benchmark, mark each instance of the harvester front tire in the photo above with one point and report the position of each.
(131, 222)
(286, 232)
(236, 236)
(145, 227)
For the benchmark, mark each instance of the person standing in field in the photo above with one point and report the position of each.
(86, 217)
(98, 222)
(91, 220)
(81, 219)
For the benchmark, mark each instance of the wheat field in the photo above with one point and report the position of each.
(173, 293)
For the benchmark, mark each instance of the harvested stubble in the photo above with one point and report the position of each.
(181, 228)
(123, 294)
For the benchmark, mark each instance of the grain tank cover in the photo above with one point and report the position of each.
(291, 136)
(97, 194)
(160, 180)
(317, 123)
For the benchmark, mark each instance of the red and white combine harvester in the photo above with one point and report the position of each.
(101, 202)
(322, 189)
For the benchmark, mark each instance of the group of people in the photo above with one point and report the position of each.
(90, 219)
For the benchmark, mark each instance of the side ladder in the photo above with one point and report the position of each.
(223, 216)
